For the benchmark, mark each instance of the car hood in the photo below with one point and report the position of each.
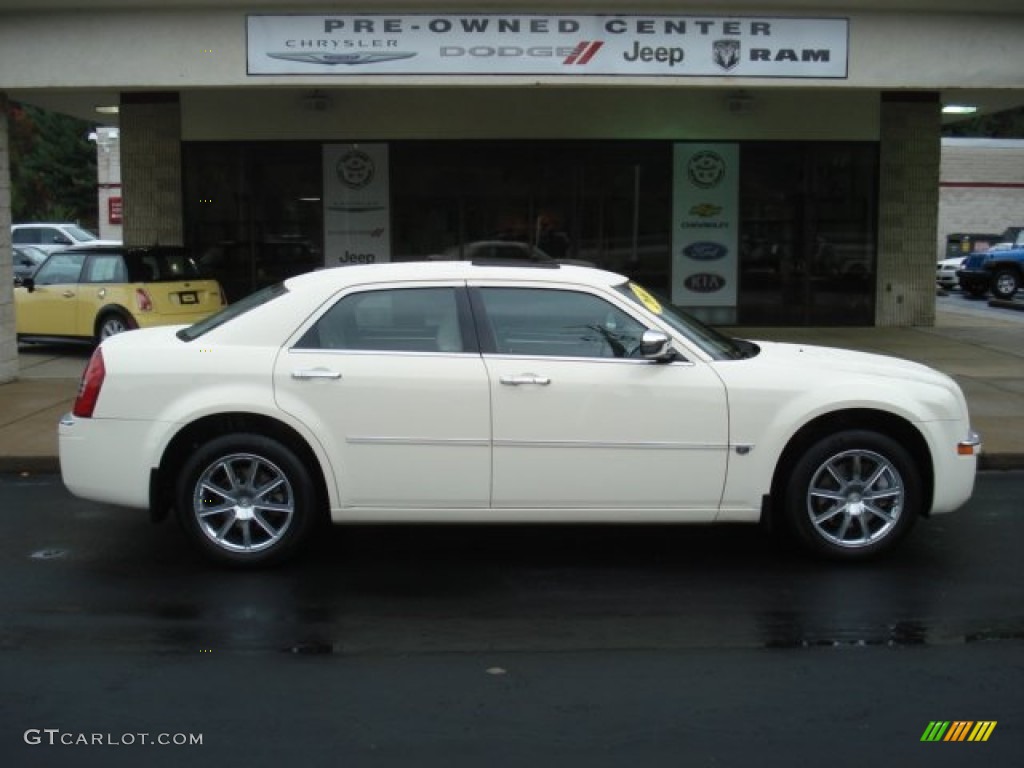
(822, 364)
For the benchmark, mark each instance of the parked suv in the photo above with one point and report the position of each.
(998, 270)
(53, 236)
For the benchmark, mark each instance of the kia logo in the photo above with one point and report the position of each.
(705, 251)
(704, 282)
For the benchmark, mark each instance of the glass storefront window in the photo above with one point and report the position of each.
(808, 214)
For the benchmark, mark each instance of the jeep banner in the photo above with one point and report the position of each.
(527, 44)
(705, 227)
(357, 205)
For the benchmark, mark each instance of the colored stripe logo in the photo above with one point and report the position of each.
(958, 730)
(583, 53)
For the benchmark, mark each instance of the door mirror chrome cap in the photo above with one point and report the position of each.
(657, 346)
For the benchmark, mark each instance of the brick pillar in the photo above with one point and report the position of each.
(8, 340)
(908, 205)
(151, 169)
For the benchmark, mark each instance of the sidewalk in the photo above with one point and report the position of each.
(984, 353)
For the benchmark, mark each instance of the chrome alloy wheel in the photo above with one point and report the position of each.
(243, 503)
(111, 326)
(855, 498)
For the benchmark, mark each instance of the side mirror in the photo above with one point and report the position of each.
(656, 346)
(28, 284)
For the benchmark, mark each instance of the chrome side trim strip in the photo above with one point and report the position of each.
(449, 441)
(647, 445)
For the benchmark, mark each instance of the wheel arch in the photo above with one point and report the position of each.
(891, 425)
(189, 437)
(112, 309)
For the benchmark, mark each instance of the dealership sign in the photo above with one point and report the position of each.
(357, 204)
(525, 44)
(705, 227)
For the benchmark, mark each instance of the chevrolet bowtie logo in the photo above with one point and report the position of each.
(331, 59)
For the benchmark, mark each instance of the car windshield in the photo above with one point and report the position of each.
(155, 266)
(232, 311)
(717, 345)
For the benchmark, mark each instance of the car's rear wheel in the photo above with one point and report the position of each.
(1005, 284)
(853, 495)
(111, 324)
(246, 499)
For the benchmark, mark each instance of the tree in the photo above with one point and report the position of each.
(53, 167)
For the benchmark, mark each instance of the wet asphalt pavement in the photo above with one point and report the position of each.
(495, 646)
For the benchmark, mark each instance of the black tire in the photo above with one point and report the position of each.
(853, 495)
(1005, 284)
(246, 500)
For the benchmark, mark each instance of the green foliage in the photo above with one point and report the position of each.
(53, 167)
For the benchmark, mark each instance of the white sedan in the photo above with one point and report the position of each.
(455, 392)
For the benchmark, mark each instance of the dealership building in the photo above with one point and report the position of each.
(756, 162)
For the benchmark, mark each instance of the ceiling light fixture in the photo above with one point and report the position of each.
(959, 109)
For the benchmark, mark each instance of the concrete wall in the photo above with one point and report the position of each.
(908, 209)
(981, 187)
(151, 170)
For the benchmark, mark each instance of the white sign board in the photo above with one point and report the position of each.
(529, 44)
(705, 228)
(357, 205)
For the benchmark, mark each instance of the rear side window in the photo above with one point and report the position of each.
(160, 266)
(105, 268)
(398, 320)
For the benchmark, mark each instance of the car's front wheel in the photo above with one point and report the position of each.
(246, 500)
(853, 495)
(1005, 284)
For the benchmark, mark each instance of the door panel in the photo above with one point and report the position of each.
(402, 410)
(580, 422)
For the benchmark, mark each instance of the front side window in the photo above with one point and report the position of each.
(394, 320)
(559, 323)
(60, 268)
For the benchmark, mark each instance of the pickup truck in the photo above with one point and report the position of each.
(999, 269)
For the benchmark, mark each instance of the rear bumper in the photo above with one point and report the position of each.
(105, 459)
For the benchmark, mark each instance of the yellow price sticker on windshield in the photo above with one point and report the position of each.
(645, 298)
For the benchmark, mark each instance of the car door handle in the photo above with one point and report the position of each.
(68, 294)
(525, 378)
(315, 373)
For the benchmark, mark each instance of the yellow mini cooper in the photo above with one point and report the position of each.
(88, 293)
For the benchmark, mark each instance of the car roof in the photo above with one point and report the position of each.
(358, 274)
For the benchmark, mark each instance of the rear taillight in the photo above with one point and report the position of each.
(89, 388)
(142, 300)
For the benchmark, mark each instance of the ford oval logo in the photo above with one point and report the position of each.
(704, 282)
(705, 251)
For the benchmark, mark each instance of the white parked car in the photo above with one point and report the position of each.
(945, 272)
(54, 236)
(452, 392)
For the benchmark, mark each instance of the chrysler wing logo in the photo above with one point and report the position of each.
(350, 59)
(726, 53)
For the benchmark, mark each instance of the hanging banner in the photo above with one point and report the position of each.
(705, 229)
(357, 204)
(538, 44)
